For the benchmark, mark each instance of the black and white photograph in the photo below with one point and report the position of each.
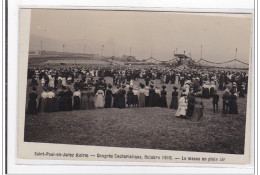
(173, 81)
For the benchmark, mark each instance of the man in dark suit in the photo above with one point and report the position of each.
(226, 99)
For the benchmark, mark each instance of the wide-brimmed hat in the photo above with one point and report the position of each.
(174, 87)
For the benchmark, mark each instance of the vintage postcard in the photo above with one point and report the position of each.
(135, 86)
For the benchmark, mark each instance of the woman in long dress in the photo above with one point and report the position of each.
(49, 103)
(135, 99)
(121, 97)
(205, 91)
(130, 97)
(174, 102)
(59, 82)
(51, 82)
(115, 99)
(44, 97)
(69, 95)
(63, 81)
(142, 96)
(108, 98)
(182, 106)
(100, 98)
(146, 93)
(42, 82)
(177, 77)
(91, 98)
(32, 104)
(62, 100)
(151, 96)
(163, 97)
(198, 110)
(157, 98)
(55, 101)
(76, 99)
(233, 103)
(84, 99)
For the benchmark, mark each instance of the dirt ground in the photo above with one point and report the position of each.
(149, 128)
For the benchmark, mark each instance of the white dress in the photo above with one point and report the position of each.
(131, 82)
(176, 80)
(182, 107)
(100, 99)
(63, 81)
(51, 82)
(50, 94)
(187, 89)
(42, 81)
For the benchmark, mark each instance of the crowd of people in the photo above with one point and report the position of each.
(85, 88)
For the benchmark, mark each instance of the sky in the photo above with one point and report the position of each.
(146, 34)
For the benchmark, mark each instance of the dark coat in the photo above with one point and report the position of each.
(163, 99)
(233, 104)
(108, 99)
(174, 102)
(32, 104)
(151, 97)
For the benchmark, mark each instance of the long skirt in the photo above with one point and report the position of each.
(130, 100)
(108, 101)
(32, 107)
(68, 104)
(76, 104)
(62, 104)
(157, 100)
(49, 105)
(174, 103)
(146, 101)
(141, 100)
(135, 100)
(163, 101)
(115, 101)
(99, 101)
(59, 84)
(151, 100)
(233, 108)
(121, 101)
(197, 113)
(190, 110)
(91, 104)
(84, 102)
(44, 105)
(55, 104)
(181, 111)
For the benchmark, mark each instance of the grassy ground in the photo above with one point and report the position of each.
(152, 128)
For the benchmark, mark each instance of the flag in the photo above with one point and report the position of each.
(236, 49)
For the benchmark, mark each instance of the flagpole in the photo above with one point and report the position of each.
(63, 52)
(235, 58)
(41, 48)
(201, 51)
